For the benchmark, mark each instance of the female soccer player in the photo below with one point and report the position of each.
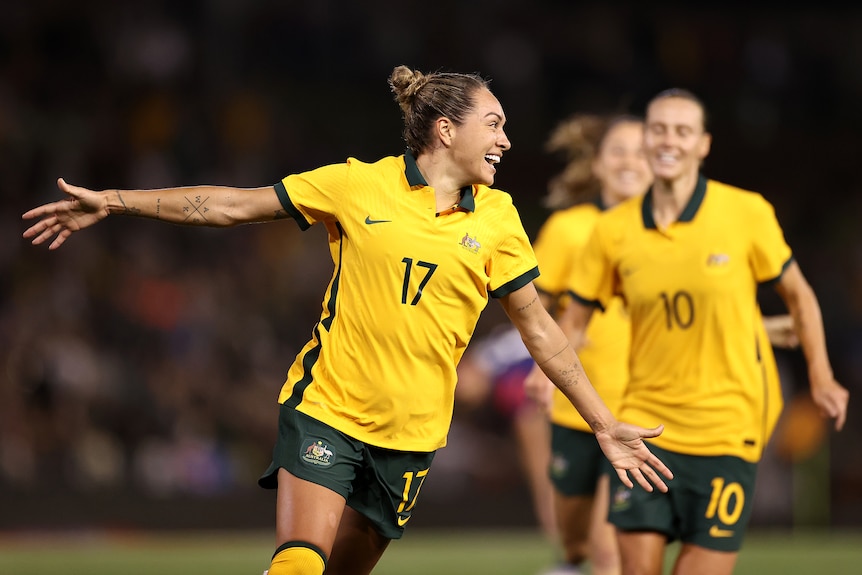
(606, 165)
(687, 258)
(419, 242)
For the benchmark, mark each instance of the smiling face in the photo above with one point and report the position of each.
(621, 164)
(478, 143)
(675, 140)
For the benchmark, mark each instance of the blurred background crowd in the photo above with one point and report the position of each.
(141, 362)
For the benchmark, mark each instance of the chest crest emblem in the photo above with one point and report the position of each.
(470, 244)
(717, 260)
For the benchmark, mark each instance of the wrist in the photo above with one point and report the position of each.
(819, 372)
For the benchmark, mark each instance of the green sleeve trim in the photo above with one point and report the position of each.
(288, 206)
(551, 295)
(515, 284)
(587, 302)
(776, 279)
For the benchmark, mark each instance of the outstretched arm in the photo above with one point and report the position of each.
(622, 443)
(829, 395)
(215, 206)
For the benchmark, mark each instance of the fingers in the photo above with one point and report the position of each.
(654, 478)
(65, 187)
(656, 463)
(646, 477)
(654, 432)
(641, 480)
(840, 414)
(60, 239)
(45, 229)
(624, 477)
(833, 404)
(38, 229)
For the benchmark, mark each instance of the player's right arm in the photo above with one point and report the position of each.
(829, 395)
(215, 206)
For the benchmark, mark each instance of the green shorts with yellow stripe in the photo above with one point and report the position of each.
(381, 484)
(708, 503)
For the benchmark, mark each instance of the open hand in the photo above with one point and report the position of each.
(623, 445)
(80, 209)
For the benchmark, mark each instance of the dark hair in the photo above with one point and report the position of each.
(579, 138)
(423, 98)
(685, 95)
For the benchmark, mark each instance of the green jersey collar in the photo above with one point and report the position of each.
(415, 178)
(687, 214)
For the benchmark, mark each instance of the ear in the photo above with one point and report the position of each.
(705, 145)
(445, 130)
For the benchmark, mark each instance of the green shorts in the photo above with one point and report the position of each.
(381, 484)
(577, 461)
(708, 503)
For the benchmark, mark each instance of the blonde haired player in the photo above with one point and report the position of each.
(687, 258)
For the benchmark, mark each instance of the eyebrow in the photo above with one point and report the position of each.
(496, 115)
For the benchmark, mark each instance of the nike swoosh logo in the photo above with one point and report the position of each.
(715, 531)
(369, 221)
(403, 520)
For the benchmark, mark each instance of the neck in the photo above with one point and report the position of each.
(670, 197)
(446, 189)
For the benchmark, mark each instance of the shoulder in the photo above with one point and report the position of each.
(385, 163)
(575, 215)
(492, 199)
(739, 198)
(622, 213)
(570, 226)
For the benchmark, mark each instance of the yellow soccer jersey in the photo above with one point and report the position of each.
(558, 246)
(405, 295)
(697, 359)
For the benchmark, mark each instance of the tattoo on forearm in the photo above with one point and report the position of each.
(158, 208)
(552, 357)
(127, 210)
(196, 210)
(570, 377)
(529, 305)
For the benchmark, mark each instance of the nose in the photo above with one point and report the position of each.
(503, 141)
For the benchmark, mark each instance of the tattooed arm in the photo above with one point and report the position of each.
(622, 443)
(215, 206)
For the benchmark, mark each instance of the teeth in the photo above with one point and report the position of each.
(493, 158)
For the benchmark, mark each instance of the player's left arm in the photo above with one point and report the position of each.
(829, 395)
(622, 443)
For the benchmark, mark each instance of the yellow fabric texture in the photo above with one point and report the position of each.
(385, 373)
(700, 363)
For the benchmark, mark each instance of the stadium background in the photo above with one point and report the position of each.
(141, 362)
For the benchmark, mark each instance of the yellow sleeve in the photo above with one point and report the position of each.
(315, 194)
(769, 251)
(513, 264)
(593, 274)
